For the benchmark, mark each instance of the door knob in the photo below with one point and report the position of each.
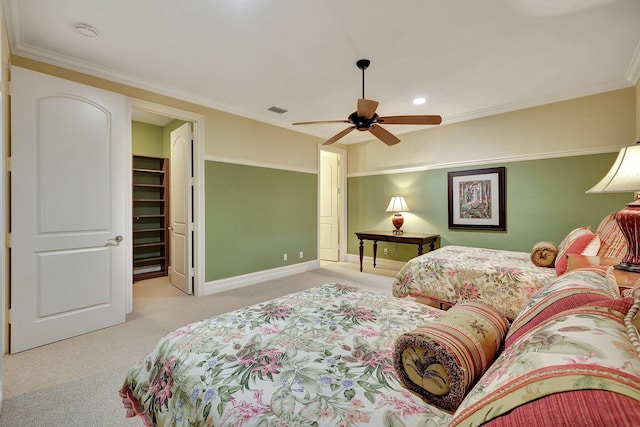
(117, 239)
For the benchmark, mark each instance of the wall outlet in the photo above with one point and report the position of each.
(385, 251)
(284, 257)
(301, 254)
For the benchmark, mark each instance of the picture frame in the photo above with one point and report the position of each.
(477, 199)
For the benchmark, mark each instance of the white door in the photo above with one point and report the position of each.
(180, 212)
(329, 219)
(69, 162)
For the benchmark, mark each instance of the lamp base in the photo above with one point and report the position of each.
(628, 220)
(634, 268)
(397, 220)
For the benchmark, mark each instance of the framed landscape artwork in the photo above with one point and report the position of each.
(477, 199)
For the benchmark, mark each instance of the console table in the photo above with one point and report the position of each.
(389, 236)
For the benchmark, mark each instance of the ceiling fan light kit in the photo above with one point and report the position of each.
(365, 118)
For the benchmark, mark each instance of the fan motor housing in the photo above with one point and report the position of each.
(362, 123)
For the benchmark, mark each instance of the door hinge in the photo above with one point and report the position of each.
(7, 241)
(8, 164)
(9, 87)
(9, 316)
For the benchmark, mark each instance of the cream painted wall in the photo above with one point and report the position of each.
(227, 136)
(593, 124)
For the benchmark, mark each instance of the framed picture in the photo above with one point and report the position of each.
(477, 199)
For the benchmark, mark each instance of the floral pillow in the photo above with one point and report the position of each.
(585, 351)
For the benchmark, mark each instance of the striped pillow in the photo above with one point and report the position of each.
(582, 240)
(612, 242)
(441, 360)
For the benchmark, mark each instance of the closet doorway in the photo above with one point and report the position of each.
(165, 133)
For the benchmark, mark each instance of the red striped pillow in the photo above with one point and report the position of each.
(573, 408)
(612, 242)
(579, 241)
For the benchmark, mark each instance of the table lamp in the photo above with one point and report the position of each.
(397, 205)
(623, 177)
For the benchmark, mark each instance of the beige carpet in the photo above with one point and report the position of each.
(75, 382)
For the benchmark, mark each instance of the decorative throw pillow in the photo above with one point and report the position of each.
(440, 361)
(544, 254)
(579, 241)
(573, 289)
(582, 349)
(612, 242)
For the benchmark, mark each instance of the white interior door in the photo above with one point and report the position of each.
(70, 157)
(329, 204)
(181, 208)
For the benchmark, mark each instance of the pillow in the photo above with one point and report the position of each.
(544, 254)
(581, 349)
(440, 361)
(577, 408)
(573, 289)
(612, 242)
(579, 241)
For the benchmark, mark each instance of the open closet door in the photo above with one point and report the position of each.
(181, 208)
(69, 166)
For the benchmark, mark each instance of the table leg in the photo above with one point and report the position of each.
(420, 249)
(361, 251)
(375, 249)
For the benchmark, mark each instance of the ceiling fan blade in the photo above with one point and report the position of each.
(367, 108)
(321, 121)
(384, 135)
(410, 120)
(338, 136)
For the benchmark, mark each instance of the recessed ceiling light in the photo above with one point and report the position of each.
(86, 30)
(419, 101)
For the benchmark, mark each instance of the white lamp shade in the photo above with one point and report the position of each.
(624, 175)
(397, 204)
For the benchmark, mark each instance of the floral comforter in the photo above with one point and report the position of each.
(318, 357)
(504, 279)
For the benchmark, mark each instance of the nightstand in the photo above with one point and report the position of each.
(625, 279)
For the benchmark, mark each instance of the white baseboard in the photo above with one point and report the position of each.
(380, 262)
(236, 282)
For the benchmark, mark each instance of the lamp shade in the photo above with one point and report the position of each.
(397, 204)
(624, 175)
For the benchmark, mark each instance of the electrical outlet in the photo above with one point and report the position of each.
(385, 251)
(301, 254)
(284, 257)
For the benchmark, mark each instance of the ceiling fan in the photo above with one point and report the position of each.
(366, 119)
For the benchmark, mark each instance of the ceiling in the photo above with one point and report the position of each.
(468, 58)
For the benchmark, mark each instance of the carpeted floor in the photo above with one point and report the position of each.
(75, 382)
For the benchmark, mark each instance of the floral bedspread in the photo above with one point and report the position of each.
(318, 357)
(504, 279)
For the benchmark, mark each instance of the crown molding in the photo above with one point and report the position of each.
(486, 161)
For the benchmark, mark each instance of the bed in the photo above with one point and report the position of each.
(504, 279)
(322, 355)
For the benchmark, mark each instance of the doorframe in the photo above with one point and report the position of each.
(342, 198)
(198, 183)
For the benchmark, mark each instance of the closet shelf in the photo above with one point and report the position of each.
(150, 217)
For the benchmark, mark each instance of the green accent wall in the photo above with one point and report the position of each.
(545, 200)
(146, 140)
(254, 215)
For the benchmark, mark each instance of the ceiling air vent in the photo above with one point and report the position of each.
(277, 110)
